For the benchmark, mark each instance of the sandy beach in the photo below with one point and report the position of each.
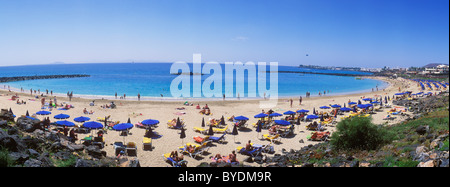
(166, 110)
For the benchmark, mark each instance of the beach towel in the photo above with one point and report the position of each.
(180, 113)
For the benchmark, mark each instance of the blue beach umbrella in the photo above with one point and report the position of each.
(345, 109)
(81, 119)
(123, 126)
(241, 118)
(312, 117)
(61, 116)
(282, 122)
(352, 103)
(289, 113)
(367, 99)
(65, 123)
(324, 107)
(302, 111)
(261, 115)
(93, 125)
(362, 106)
(150, 122)
(399, 94)
(43, 112)
(336, 106)
(275, 115)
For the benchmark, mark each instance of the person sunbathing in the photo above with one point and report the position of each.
(273, 130)
(173, 122)
(208, 112)
(190, 149)
(232, 157)
(249, 146)
(202, 111)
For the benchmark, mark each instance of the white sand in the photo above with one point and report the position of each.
(170, 141)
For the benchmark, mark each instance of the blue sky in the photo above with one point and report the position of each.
(368, 33)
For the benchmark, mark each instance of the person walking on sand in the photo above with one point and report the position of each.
(300, 100)
(291, 101)
(139, 97)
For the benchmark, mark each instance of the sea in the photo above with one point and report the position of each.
(153, 80)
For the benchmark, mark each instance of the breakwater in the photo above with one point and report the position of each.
(24, 78)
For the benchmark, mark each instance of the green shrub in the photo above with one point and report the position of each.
(5, 160)
(359, 134)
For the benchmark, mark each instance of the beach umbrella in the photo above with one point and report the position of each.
(65, 123)
(43, 112)
(235, 132)
(261, 115)
(336, 106)
(123, 126)
(312, 117)
(182, 135)
(241, 118)
(150, 122)
(352, 103)
(203, 122)
(289, 113)
(324, 107)
(302, 111)
(362, 106)
(275, 115)
(178, 125)
(399, 94)
(210, 131)
(367, 99)
(282, 122)
(61, 116)
(92, 125)
(345, 109)
(82, 119)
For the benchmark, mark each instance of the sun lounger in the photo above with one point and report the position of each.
(147, 143)
(252, 153)
(118, 147)
(272, 138)
(201, 140)
(219, 130)
(192, 154)
(200, 130)
(220, 139)
(131, 149)
(174, 163)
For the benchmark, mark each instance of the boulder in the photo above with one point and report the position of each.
(429, 163)
(421, 130)
(32, 163)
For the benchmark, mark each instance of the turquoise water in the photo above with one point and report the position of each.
(154, 79)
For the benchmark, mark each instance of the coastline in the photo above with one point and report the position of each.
(172, 99)
(169, 139)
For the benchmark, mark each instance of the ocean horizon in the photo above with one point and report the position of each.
(153, 80)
